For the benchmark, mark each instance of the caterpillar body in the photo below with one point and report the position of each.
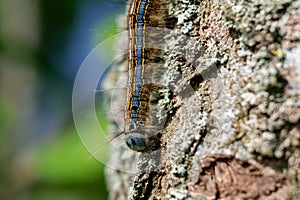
(141, 125)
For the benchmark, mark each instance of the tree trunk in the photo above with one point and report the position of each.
(232, 130)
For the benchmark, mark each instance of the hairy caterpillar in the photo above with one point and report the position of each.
(141, 125)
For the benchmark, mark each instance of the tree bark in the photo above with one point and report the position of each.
(232, 129)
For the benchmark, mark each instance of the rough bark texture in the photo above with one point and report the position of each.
(233, 129)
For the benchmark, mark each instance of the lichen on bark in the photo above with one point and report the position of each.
(233, 119)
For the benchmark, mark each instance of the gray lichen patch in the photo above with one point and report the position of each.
(245, 101)
(263, 28)
(174, 194)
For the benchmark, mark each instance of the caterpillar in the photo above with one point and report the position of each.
(141, 125)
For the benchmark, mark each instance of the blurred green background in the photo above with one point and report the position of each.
(42, 44)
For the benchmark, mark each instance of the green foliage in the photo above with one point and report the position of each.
(63, 166)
